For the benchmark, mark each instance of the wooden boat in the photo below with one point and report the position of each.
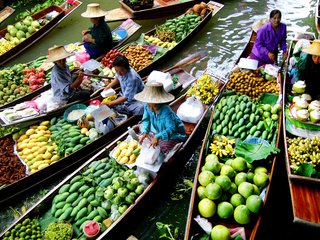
(37, 92)
(304, 190)
(317, 17)
(45, 203)
(75, 159)
(40, 33)
(163, 58)
(193, 230)
(160, 8)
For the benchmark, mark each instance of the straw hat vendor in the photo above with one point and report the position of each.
(130, 83)
(269, 36)
(308, 69)
(159, 123)
(63, 85)
(100, 41)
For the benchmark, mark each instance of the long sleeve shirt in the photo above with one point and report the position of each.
(131, 84)
(102, 36)
(166, 125)
(268, 40)
(61, 78)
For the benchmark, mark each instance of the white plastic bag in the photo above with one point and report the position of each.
(191, 110)
(148, 154)
(161, 77)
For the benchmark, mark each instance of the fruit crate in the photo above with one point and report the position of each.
(139, 4)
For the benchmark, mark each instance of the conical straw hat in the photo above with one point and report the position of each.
(314, 48)
(56, 53)
(93, 11)
(154, 92)
(257, 25)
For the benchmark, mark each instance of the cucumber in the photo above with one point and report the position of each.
(92, 214)
(89, 192)
(81, 213)
(72, 197)
(84, 140)
(75, 179)
(66, 214)
(75, 186)
(102, 212)
(77, 147)
(82, 203)
(74, 211)
(61, 197)
(58, 213)
(64, 188)
(98, 173)
(83, 188)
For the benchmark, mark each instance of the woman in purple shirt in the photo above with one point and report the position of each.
(269, 37)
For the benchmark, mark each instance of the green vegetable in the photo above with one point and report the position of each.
(58, 231)
(167, 231)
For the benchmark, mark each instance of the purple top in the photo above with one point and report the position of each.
(268, 41)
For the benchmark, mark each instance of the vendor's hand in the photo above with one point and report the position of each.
(271, 56)
(154, 142)
(84, 32)
(142, 137)
(87, 39)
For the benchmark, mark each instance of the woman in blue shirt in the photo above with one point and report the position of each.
(130, 83)
(159, 122)
(100, 41)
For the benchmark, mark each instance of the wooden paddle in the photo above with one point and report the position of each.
(188, 60)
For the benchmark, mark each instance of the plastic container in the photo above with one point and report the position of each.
(91, 229)
(133, 134)
(70, 109)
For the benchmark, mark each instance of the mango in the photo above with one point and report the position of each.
(45, 123)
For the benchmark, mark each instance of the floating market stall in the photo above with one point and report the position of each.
(108, 187)
(301, 131)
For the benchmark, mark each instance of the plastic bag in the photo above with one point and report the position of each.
(161, 77)
(191, 110)
(148, 154)
(104, 126)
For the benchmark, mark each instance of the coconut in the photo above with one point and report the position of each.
(197, 8)
(301, 104)
(303, 115)
(299, 87)
(314, 105)
(306, 97)
(315, 116)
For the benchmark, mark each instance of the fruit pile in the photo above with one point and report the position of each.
(127, 152)
(21, 30)
(108, 59)
(35, 78)
(222, 146)
(160, 43)
(103, 190)
(34, 147)
(139, 57)
(304, 150)
(205, 89)
(251, 84)
(5, 46)
(28, 229)
(181, 25)
(238, 117)
(200, 9)
(231, 189)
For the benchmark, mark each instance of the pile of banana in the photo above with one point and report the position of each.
(71, 47)
(205, 89)
(5, 46)
(158, 42)
(110, 98)
(222, 146)
(127, 153)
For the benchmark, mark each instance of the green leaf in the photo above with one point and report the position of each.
(251, 152)
(306, 169)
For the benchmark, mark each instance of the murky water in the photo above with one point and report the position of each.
(223, 39)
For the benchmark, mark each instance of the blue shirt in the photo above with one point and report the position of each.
(268, 41)
(166, 125)
(131, 84)
(61, 79)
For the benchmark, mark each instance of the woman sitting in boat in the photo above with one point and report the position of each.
(100, 41)
(65, 87)
(130, 83)
(269, 36)
(159, 123)
(308, 69)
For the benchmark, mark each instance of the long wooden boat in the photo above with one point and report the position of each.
(317, 17)
(34, 94)
(169, 53)
(159, 9)
(44, 205)
(193, 230)
(304, 190)
(62, 13)
(12, 190)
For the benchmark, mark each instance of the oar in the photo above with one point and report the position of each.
(188, 60)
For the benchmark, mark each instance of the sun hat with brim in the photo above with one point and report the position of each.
(56, 53)
(313, 49)
(257, 25)
(93, 11)
(154, 92)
